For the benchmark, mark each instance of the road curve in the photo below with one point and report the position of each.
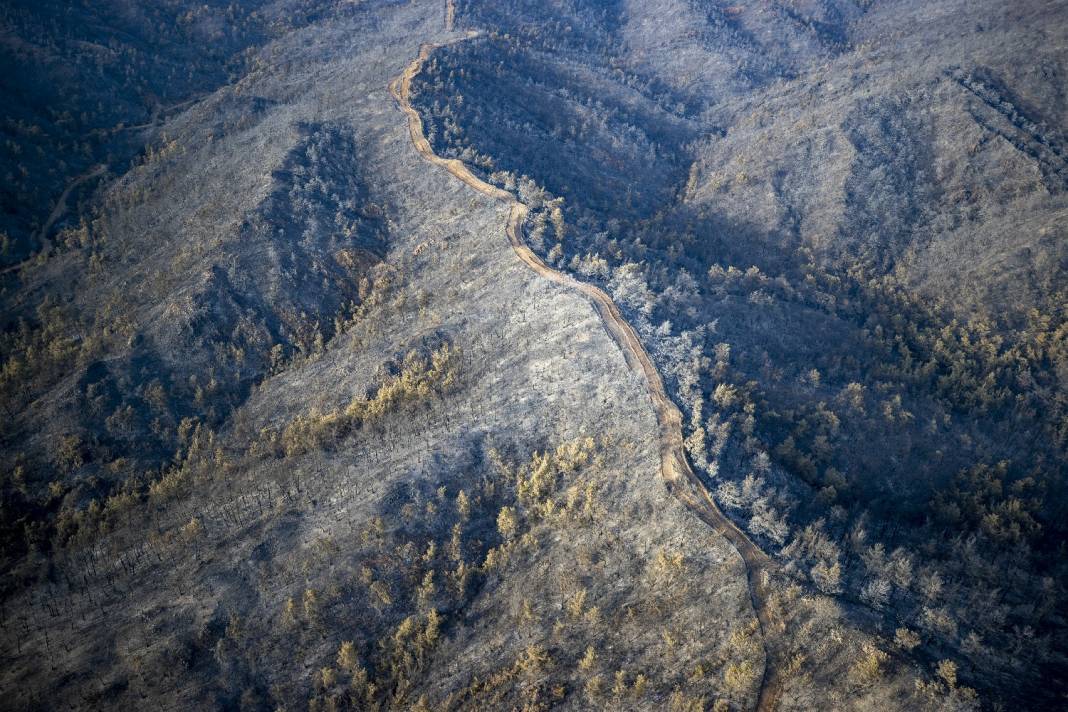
(61, 204)
(57, 212)
(675, 469)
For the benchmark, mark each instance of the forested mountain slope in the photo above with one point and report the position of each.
(85, 83)
(289, 424)
(839, 227)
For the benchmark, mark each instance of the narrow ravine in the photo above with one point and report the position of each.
(675, 469)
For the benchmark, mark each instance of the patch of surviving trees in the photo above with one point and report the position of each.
(904, 458)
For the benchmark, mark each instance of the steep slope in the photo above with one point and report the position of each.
(674, 466)
(87, 83)
(297, 418)
(395, 511)
(849, 240)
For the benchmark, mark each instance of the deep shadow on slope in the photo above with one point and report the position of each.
(306, 258)
(79, 78)
(813, 350)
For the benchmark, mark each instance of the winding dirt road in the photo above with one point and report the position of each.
(675, 469)
(57, 212)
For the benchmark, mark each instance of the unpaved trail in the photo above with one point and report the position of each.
(679, 477)
(57, 212)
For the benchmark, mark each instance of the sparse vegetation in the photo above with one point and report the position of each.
(872, 424)
(287, 425)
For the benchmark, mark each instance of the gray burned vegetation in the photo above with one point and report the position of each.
(839, 229)
(287, 425)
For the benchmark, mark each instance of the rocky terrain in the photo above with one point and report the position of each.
(526, 355)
